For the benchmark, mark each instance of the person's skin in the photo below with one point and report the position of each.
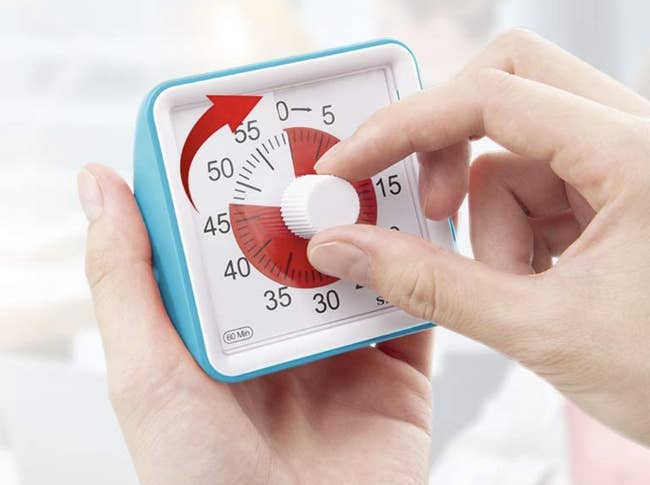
(360, 417)
(575, 182)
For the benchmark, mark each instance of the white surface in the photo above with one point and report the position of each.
(313, 203)
(8, 473)
(57, 438)
(518, 438)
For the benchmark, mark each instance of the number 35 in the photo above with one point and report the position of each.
(279, 298)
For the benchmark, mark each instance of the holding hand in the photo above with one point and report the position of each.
(574, 184)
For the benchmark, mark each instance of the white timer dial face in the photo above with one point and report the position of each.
(259, 285)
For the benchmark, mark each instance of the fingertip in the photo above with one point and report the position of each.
(106, 176)
(102, 173)
(117, 232)
(329, 159)
(373, 240)
(443, 180)
(350, 233)
(347, 251)
(414, 349)
(438, 205)
(346, 159)
(119, 202)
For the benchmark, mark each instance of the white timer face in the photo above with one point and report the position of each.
(245, 197)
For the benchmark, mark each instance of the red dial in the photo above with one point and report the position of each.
(262, 234)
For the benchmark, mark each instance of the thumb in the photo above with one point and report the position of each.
(139, 341)
(427, 282)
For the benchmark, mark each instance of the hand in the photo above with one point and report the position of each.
(574, 183)
(361, 417)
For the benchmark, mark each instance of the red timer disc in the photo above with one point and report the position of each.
(260, 231)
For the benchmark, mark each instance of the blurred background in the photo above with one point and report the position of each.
(74, 73)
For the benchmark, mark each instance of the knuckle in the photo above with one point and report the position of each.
(97, 265)
(483, 170)
(101, 253)
(516, 38)
(108, 252)
(625, 140)
(486, 172)
(412, 289)
(491, 88)
(518, 51)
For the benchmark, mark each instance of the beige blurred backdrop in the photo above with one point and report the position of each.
(73, 75)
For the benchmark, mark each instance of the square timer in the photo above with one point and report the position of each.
(225, 181)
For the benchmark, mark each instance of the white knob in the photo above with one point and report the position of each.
(312, 203)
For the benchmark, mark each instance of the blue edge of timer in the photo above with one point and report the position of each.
(170, 268)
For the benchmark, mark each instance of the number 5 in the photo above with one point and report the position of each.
(328, 115)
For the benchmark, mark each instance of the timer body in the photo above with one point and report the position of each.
(225, 182)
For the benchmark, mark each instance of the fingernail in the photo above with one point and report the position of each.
(324, 163)
(342, 260)
(90, 195)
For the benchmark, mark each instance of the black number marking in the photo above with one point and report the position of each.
(223, 223)
(241, 267)
(219, 168)
(248, 132)
(393, 187)
(279, 298)
(209, 227)
(327, 301)
(222, 226)
(283, 110)
(328, 115)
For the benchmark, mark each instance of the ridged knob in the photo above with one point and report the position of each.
(312, 203)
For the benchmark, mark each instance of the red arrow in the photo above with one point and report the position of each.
(225, 110)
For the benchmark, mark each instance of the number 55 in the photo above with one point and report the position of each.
(250, 132)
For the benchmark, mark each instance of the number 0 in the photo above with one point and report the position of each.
(283, 110)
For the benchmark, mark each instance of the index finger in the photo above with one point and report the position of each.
(531, 119)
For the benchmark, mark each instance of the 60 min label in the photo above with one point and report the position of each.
(238, 335)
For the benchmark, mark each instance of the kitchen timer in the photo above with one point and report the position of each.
(225, 182)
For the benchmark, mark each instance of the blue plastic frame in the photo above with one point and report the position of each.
(170, 267)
